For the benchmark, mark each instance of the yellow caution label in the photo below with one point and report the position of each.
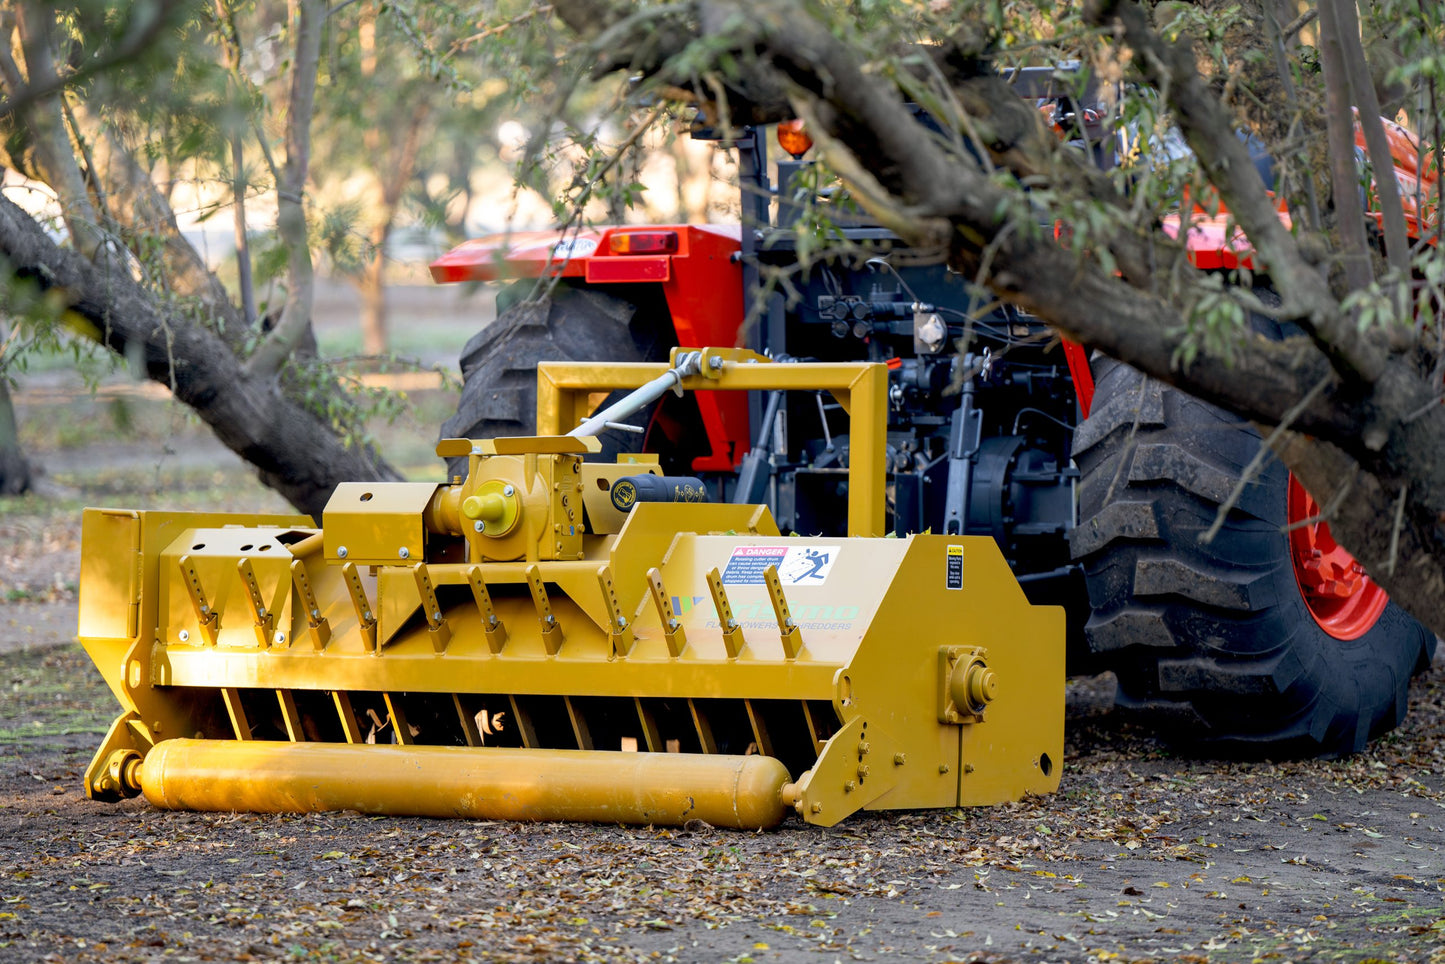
(954, 568)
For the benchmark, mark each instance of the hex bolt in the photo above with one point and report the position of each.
(849, 787)
(508, 491)
(479, 526)
(715, 363)
(184, 635)
(341, 552)
(899, 759)
(816, 808)
(943, 768)
(404, 552)
(863, 748)
(862, 771)
(279, 638)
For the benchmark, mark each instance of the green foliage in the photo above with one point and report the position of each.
(1215, 323)
(34, 333)
(1374, 306)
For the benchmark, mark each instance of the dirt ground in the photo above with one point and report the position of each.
(1142, 855)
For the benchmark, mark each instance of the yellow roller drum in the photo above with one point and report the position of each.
(744, 792)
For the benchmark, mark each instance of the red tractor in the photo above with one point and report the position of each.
(1095, 481)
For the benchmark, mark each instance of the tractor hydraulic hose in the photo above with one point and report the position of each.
(604, 786)
(689, 363)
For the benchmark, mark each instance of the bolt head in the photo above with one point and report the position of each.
(341, 552)
(404, 552)
(279, 638)
(508, 491)
(479, 526)
(184, 635)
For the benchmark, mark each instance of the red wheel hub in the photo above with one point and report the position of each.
(1340, 595)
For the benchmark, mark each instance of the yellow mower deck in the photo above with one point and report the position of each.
(514, 646)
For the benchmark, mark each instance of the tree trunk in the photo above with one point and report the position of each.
(373, 297)
(15, 477)
(292, 447)
(393, 182)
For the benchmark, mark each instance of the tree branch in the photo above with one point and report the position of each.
(139, 36)
(1225, 160)
(309, 17)
(249, 414)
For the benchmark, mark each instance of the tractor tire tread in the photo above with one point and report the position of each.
(1214, 638)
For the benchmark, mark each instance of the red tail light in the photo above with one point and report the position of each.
(794, 138)
(644, 242)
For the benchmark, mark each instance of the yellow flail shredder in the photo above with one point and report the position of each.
(553, 638)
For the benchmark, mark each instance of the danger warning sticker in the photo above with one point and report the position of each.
(954, 568)
(796, 565)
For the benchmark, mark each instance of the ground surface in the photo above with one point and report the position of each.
(1141, 856)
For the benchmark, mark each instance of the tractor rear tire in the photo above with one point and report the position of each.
(1215, 642)
(499, 363)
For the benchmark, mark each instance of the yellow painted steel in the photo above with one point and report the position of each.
(861, 388)
(878, 673)
(742, 792)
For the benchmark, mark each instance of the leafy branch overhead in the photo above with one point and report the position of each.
(976, 187)
(128, 115)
